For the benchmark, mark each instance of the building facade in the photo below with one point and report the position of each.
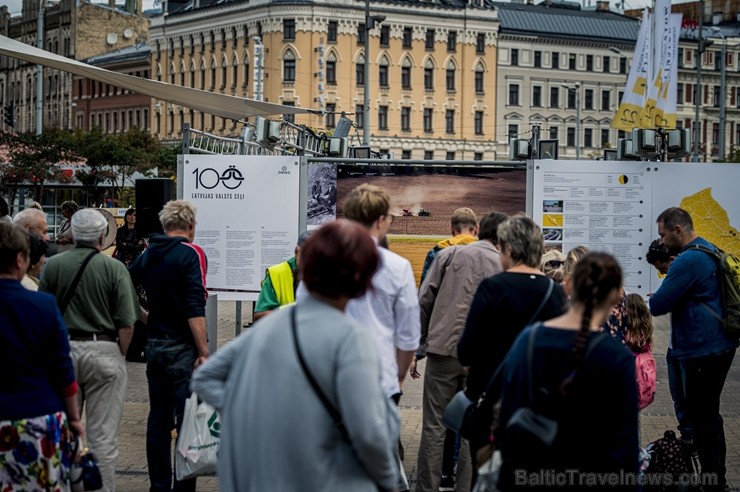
(432, 69)
(72, 28)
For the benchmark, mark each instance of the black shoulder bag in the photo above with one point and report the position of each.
(69, 294)
(462, 415)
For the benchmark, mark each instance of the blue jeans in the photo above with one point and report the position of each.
(704, 379)
(168, 371)
(675, 386)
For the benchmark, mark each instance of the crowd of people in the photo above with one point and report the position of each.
(309, 396)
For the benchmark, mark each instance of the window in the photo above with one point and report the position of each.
(360, 72)
(681, 61)
(361, 33)
(429, 79)
(450, 121)
(406, 77)
(537, 59)
(606, 64)
(514, 57)
(571, 99)
(429, 40)
(478, 156)
(679, 93)
(554, 97)
(330, 113)
(513, 131)
(452, 41)
(537, 96)
(290, 118)
(288, 29)
(606, 99)
(604, 137)
(514, 95)
(331, 33)
(478, 122)
(382, 117)
(428, 155)
(385, 35)
(480, 43)
(571, 137)
(407, 37)
(588, 137)
(717, 96)
(212, 36)
(555, 60)
(450, 156)
(331, 69)
(383, 73)
(479, 74)
(589, 63)
(427, 120)
(715, 133)
(359, 115)
(450, 78)
(289, 67)
(589, 99)
(554, 132)
(622, 65)
(572, 61)
(406, 119)
(405, 154)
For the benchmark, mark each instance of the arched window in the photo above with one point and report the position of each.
(331, 68)
(406, 73)
(246, 71)
(429, 75)
(213, 70)
(203, 74)
(192, 74)
(289, 66)
(224, 70)
(479, 78)
(360, 70)
(450, 76)
(182, 74)
(172, 74)
(383, 72)
(234, 67)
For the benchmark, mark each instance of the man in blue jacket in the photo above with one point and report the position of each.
(172, 271)
(698, 338)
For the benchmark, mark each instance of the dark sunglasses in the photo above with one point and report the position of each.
(554, 263)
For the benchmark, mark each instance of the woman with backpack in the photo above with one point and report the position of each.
(567, 372)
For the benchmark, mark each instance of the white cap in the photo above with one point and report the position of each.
(88, 225)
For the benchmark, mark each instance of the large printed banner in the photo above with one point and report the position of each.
(247, 215)
(613, 207)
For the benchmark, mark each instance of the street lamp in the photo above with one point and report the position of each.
(575, 89)
(370, 22)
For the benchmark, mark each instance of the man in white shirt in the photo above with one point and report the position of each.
(391, 309)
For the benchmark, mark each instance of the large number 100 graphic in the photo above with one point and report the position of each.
(209, 178)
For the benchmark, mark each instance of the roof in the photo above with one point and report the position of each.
(560, 22)
(129, 53)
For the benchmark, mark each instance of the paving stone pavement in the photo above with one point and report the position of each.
(131, 470)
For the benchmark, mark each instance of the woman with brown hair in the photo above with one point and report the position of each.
(277, 432)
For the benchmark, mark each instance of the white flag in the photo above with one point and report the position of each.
(635, 94)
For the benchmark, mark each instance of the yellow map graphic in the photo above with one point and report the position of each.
(711, 221)
(552, 220)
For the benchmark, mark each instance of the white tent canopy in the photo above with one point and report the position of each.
(231, 107)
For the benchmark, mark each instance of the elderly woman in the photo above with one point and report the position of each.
(38, 401)
(503, 305)
(287, 440)
(64, 236)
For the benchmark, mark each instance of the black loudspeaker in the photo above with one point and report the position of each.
(151, 195)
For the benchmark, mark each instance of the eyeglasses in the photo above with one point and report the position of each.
(554, 263)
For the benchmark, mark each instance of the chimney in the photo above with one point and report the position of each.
(602, 5)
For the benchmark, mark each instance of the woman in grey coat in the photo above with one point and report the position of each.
(276, 433)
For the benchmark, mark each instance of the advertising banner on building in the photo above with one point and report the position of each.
(635, 93)
(247, 217)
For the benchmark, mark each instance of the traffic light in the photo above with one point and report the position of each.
(10, 115)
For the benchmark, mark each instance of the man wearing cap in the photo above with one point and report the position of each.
(97, 299)
(280, 283)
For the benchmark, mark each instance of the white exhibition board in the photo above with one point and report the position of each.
(613, 205)
(247, 217)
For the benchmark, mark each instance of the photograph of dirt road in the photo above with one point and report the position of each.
(424, 197)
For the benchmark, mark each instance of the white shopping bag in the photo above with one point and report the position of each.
(196, 453)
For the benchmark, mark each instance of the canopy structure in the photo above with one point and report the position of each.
(225, 106)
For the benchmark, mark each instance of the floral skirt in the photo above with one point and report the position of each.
(35, 454)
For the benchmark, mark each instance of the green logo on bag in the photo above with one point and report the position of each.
(214, 426)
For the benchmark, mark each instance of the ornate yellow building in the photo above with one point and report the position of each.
(432, 68)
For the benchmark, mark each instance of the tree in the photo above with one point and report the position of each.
(34, 159)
